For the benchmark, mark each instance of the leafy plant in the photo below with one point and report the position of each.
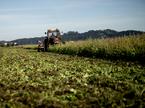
(36, 79)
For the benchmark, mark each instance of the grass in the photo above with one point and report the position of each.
(33, 79)
(123, 48)
(1, 52)
(131, 48)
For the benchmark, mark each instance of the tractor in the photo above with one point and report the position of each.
(53, 37)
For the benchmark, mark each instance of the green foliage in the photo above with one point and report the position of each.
(1, 52)
(124, 48)
(37, 79)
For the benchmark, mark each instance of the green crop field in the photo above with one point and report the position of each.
(123, 48)
(42, 79)
(131, 48)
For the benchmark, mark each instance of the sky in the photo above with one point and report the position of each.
(32, 18)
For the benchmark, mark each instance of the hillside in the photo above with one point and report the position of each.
(94, 34)
(72, 35)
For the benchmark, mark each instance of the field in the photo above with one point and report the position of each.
(131, 48)
(123, 48)
(42, 79)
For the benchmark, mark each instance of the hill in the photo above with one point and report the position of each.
(94, 34)
(74, 35)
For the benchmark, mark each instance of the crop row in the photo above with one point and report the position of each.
(33, 79)
(124, 48)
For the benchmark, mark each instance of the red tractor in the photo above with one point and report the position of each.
(53, 37)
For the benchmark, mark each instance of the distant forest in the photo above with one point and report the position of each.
(74, 36)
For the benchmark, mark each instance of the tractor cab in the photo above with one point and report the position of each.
(53, 37)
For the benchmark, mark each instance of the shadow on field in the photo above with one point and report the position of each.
(140, 59)
(116, 59)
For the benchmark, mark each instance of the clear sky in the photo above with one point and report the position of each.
(31, 18)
